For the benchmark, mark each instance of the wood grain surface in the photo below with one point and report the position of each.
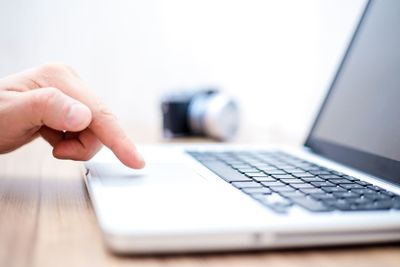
(46, 219)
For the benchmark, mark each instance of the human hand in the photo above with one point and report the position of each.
(53, 102)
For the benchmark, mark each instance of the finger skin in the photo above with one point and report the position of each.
(53, 108)
(82, 148)
(58, 83)
(77, 146)
(50, 135)
(104, 124)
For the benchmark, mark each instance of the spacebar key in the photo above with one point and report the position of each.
(225, 172)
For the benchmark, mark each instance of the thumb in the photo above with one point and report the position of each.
(53, 108)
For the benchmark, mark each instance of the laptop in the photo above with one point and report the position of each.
(341, 187)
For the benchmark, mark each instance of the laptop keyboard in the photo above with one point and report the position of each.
(281, 181)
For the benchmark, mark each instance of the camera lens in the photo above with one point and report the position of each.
(175, 113)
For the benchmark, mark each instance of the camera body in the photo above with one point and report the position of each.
(208, 113)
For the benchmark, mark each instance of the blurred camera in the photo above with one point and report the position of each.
(208, 113)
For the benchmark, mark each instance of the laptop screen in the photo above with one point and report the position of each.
(359, 123)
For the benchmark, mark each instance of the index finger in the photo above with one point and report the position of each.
(106, 127)
(104, 124)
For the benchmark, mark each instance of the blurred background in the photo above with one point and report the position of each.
(276, 58)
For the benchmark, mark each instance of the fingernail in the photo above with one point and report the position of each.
(78, 117)
(139, 158)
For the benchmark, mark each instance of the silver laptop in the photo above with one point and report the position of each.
(341, 187)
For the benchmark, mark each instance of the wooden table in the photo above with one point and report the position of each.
(47, 220)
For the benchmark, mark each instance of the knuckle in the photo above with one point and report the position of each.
(86, 156)
(103, 115)
(91, 150)
(106, 112)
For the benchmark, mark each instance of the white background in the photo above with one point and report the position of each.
(276, 57)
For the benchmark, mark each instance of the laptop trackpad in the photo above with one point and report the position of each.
(116, 174)
(165, 198)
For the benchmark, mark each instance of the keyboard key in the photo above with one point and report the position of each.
(276, 202)
(337, 173)
(304, 175)
(362, 183)
(240, 166)
(339, 204)
(311, 204)
(283, 176)
(286, 167)
(377, 196)
(396, 205)
(273, 173)
(292, 194)
(262, 165)
(264, 179)
(293, 181)
(363, 191)
(380, 205)
(256, 174)
(299, 186)
(362, 200)
(320, 173)
(340, 181)
(351, 186)
(277, 183)
(334, 189)
(312, 191)
(282, 188)
(258, 190)
(244, 170)
(251, 184)
(330, 176)
(388, 193)
(311, 168)
(226, 172)
(346, 194)
(323, 196)
(312, 179)
(235, 162)
(295, 171)
(322, 184)
(348, 177)
(374, 187)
